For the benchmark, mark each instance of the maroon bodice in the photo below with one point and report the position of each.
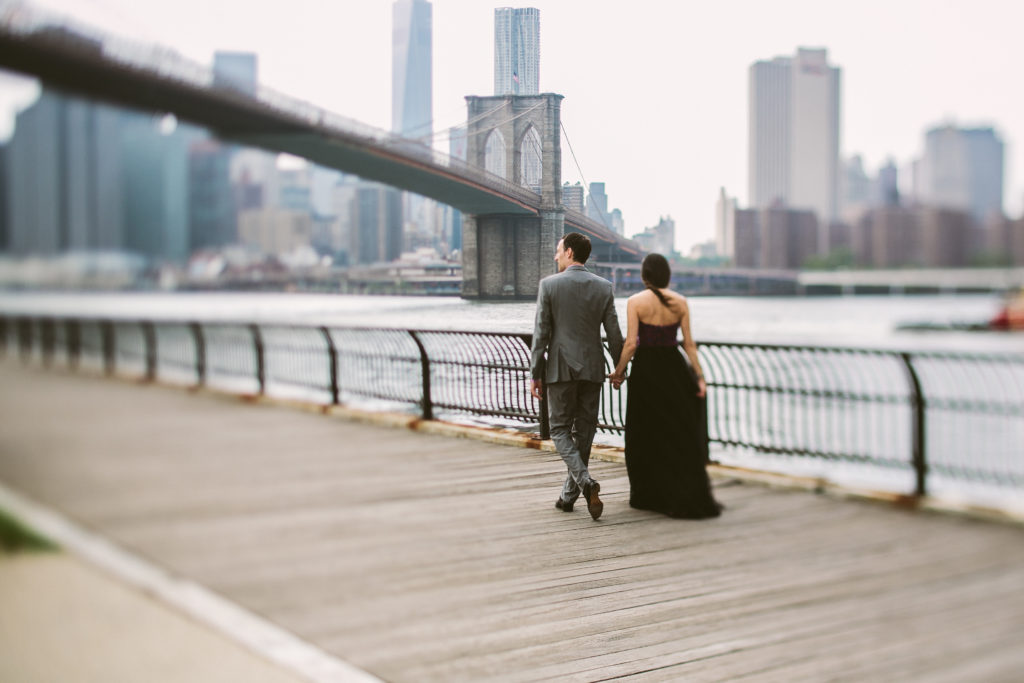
(657, 335)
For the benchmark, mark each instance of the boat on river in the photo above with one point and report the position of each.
(1011, 315)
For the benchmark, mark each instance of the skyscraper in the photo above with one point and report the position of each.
(962, 168)
(236, 70)
(155, 162)
(67, 192)
(412, 69)
(516, 51)
(794, 134)
(411, 115)
(573, 197)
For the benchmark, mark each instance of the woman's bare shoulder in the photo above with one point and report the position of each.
(677, 297)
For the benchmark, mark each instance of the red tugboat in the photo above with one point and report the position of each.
(1011, 315)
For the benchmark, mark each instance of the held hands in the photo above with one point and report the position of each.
(536, 387)
(616, 378)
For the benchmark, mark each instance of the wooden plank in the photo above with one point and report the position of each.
(423, 557)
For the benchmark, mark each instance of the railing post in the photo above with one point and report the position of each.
(47, 340)
(200, 342)
(3, 336)
(109, 349)
(545, 420)
(73, 331)
(332, 354)
(428, 406)
(261, 373)
(149, 334)
(918, 406)
(25, 339)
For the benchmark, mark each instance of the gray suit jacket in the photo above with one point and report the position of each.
(571, 307)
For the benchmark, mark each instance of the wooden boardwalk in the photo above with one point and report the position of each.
(427, 558)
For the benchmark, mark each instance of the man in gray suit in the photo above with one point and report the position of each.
(571, 307)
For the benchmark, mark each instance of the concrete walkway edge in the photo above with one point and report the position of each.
(249, 630)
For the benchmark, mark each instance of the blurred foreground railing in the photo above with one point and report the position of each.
(956, 415)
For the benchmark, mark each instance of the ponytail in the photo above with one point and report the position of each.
(661, 297)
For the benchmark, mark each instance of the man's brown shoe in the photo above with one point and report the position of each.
(562, 505)
(594, 505)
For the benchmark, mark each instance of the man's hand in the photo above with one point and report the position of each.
(536, 387)
(616, 379)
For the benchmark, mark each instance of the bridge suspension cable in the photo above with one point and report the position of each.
(582, 177)
(442, 133)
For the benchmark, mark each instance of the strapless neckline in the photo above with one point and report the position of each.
(656, 335)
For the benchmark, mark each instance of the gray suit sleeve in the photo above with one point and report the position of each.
(612, 330)
(541, 334)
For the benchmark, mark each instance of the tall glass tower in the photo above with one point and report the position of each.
(412, 69)
(962, 168)
(794, 134)
(516, 51)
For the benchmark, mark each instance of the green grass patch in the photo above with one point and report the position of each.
(16, 537)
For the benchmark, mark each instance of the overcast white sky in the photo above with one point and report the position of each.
(655, 91)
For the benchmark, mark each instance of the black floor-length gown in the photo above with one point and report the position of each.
(666, 449)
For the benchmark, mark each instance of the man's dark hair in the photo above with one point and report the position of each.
(580, 245)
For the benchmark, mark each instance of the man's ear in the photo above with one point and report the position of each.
(570, 254)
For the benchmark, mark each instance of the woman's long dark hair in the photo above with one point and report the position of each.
(656, 275)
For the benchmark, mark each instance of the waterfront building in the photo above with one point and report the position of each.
(617, 224)
(660, 238)
(854, 188)
(213, 217)
(275, 231)
(945, 237)
(886, 190)
(376, 224)
(155, 159)
(794, 135)
(64, 188)
(597, 204)
(573, 197)
(894, 237)
(962, 168)
(746, 239)
(254, 175)
(296, 191)
(412, 69)
(458, 148)
(412, 103)
(516, 51)
(725, 224)
(236, 71)
(788, 237)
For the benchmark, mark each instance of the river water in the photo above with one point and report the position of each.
(859, 322)
(855, 321)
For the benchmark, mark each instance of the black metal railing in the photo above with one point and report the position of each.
(954, 415)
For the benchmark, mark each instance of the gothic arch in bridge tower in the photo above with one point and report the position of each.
(494, 154)
(504, 256)
(531, 158)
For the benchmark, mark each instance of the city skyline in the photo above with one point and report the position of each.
(655, 107)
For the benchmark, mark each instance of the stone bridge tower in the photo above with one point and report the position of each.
(517, 137)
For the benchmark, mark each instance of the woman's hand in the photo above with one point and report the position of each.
(616, 379)
(702, 388)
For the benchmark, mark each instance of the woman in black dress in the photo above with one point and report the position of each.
(666, 449)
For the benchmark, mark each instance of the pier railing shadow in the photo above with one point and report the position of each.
(959, 416)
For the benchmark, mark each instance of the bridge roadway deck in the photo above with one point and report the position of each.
(418, 557)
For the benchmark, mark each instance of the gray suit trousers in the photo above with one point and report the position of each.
(572, 408)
